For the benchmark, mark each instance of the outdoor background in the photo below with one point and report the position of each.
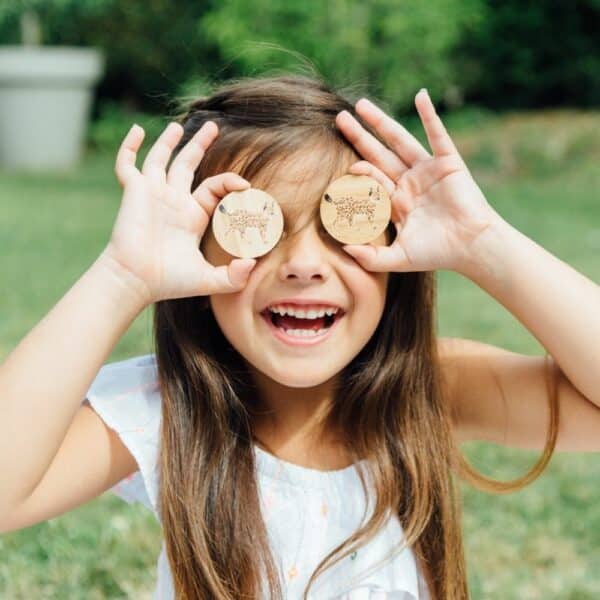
(518, 83)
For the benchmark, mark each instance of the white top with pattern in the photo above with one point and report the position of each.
(308, 512)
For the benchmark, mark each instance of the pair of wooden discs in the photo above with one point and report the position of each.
(355, 209)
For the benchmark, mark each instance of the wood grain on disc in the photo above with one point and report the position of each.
(247, 223)
(355, 209)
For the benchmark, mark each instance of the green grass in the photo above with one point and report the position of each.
(538, 171)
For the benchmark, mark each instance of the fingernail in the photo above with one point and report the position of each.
(241, 181)
(367, 102)
(424, 90)
(135, 127)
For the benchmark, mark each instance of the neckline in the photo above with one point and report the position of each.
(289, 473)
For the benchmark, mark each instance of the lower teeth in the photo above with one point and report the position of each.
(303, 332)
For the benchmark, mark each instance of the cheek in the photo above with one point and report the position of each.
(369, 294)
(231, 310)
(226, 309)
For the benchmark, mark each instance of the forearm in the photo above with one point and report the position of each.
(555, 302)
(44, 379)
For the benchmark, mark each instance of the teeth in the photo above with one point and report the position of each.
(304, 332)
(311, 313)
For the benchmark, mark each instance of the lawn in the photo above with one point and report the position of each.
(540, 173)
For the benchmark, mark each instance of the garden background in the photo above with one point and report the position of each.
(518, 83)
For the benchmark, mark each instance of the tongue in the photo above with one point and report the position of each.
(289, 322)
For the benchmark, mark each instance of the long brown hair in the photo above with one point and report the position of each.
(391, 404)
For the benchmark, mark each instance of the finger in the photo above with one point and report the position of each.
(396, 136)
(368, 146)
(158, 156)
(379, 258)
(427, 173)
(228, 278)
(212, 189)
(181, 172)
(127, 153)
(439, 140)
(366, 168)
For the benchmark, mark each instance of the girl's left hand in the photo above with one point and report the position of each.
(437, 208)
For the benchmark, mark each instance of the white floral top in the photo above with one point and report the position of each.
(308, 512)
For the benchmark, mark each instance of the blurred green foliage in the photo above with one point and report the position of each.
(390, 47)
(14, 8)
(106, 133)
(46, 10)
(151, 46)
(499, 54)
(526, 53)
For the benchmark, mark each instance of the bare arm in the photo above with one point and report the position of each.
(55, 453)
(91, 459)
(502, 397)
(558, 305)
(44, 379)
(445, 222)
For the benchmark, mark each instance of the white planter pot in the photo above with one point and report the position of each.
(46, 94)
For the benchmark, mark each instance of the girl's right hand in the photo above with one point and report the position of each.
(156, 236)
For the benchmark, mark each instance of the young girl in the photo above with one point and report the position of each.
(321, 468)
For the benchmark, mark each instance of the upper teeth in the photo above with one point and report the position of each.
(311, 313)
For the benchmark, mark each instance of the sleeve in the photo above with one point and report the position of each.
(125, 394)
(423, 588)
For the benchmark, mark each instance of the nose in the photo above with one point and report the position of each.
(304, 257)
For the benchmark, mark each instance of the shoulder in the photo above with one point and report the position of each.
(515, 399)
(452, 353)
(128, 390)
(138, 372)
(125, 394)
(470, 372)
(455, 347)
(458, 354)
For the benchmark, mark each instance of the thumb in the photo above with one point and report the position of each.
(363, 253)
(239, 270)
(379, 258)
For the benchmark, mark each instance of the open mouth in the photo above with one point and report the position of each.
(304, 329)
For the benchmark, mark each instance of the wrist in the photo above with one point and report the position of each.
(132, 289)
(488, 252)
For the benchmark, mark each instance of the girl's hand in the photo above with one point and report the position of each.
(437, 208)
(157, 234)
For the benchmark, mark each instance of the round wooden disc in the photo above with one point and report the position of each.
(247, 223)
(355, 209)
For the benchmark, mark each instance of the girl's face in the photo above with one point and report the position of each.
(307, 264)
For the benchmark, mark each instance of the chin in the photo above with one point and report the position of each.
(298, 378)
(301, 381)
